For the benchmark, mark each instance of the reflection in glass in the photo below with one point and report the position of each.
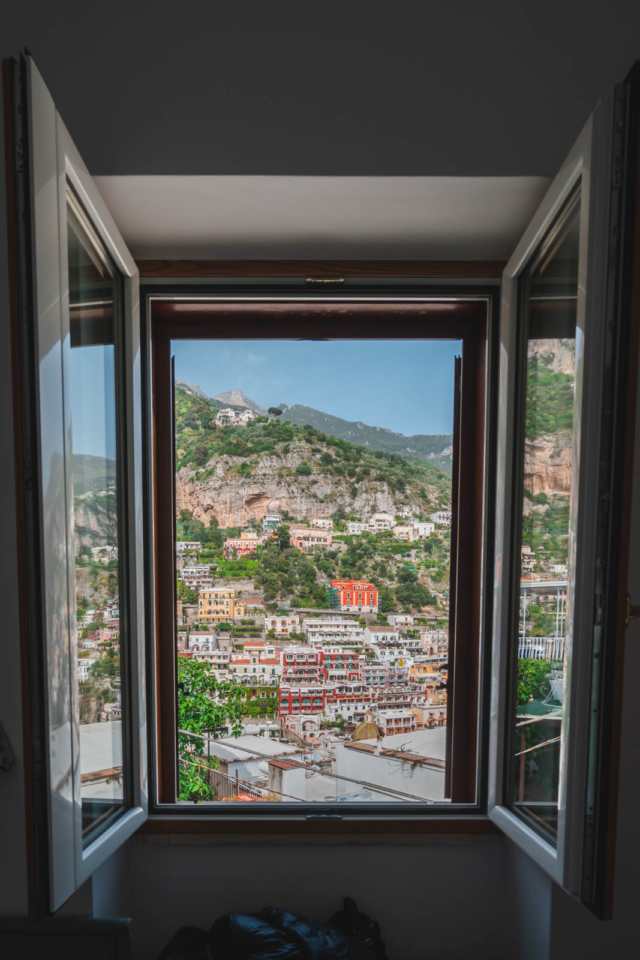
(93, 305)
(549, 298)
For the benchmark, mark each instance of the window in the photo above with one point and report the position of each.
(565, 370)
(429, 339)
(79, 355)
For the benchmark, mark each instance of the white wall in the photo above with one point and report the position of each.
(444, 897)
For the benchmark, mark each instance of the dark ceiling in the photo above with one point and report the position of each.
(338, 87)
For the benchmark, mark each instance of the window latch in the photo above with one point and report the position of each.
(325, 280)
(633, 611)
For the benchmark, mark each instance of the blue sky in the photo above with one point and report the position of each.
(404, 385)
(93, 402)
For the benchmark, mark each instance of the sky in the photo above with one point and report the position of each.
(93, 402)
(403, 385)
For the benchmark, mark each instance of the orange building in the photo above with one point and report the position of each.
(355, 596)
(242, 546)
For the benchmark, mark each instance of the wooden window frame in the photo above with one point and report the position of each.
(459, 313)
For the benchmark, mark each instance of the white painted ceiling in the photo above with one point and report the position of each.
(263, 217)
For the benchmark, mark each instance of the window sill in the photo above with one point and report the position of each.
(301, 826)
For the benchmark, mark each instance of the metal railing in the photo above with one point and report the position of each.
(541, 648)
(229, 788)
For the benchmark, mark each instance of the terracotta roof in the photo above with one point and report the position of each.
(283, 765)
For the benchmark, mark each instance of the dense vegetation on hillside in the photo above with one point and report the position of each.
(420, 446)
(198, 440)
(550, 395)
(546, 530)
(408, 575)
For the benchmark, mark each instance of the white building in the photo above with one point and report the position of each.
(104, 554)
(405, 766)
(396, 721)
(198, 582)
(380, 522)
(87, 617)
(442, 518)
(202, 641)
(406, 533)
(271, 521)
(283, 625)
(246, 758)
(324, 523)
(196, 570)
(356, 527)
(84, 669)
(308, 539)
(379, 634)
(227, 415)
(218, 660)
(188, 546)
(400, 619)
(321, 629)
(423, 529)
(258, 664)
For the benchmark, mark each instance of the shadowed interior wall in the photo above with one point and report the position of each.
(347, 90)
(418, 892)
(353, 89)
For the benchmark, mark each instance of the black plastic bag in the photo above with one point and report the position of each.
(189, 943)
(358, 926)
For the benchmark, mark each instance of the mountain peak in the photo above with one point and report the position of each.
(192, 388)
(237, 398)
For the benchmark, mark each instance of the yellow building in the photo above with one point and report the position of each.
(219, 604)
(424, 669)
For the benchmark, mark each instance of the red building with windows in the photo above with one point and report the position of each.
(355, 596)
(318, 698)
(339, 664)
(296, 699)
(300, 665)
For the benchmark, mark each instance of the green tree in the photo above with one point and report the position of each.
(303, 469)
(413, 596)
(387, 600)
(201, 454)
(533, 679)
(185, 593)
(282, 537)
(205, 707)
(275, 411)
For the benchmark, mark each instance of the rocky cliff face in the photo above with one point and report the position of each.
(96, 522)
(273, 487)
(547, 464)
(237, 398)
(547, 457)
(560, 355)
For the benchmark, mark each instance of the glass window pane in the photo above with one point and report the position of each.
(317, 555)
(541, 620)
(93, 307)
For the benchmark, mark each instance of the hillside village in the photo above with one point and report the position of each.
(313, 576)
(312, 593)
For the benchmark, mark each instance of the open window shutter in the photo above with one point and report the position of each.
(567, 396)
(77, 328)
